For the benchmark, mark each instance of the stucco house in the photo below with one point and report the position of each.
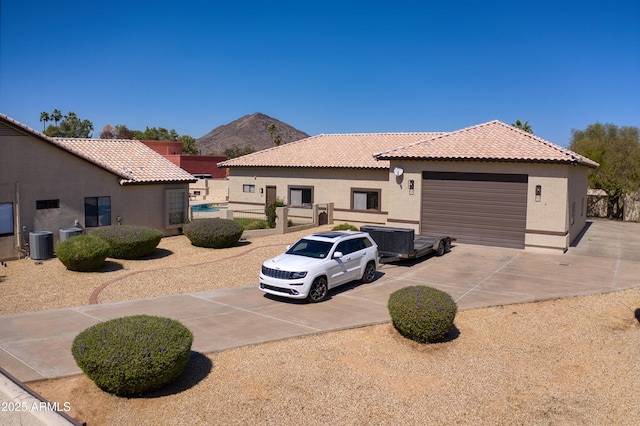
(48, 184)
(489, 184)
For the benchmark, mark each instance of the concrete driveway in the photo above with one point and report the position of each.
(35, 346)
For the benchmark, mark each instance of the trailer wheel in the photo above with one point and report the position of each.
(441, 248)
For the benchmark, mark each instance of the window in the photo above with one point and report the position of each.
(248, 188)
(97, 211)
(6, 219)
(365, 199)
(301, 196)
(352, 246)
(176, 208)
(47, 204)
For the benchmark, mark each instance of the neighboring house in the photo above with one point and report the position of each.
(490, 184)
(194, 164)
(211, 184)
(48, 184)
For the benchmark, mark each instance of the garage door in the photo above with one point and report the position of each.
(475, 208)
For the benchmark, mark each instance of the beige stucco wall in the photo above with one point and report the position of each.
(214, 190)
(329, 185)
(32, 170)
(548, 221)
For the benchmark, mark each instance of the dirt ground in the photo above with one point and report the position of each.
(573, 361)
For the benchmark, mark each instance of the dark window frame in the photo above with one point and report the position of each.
(47, 204)
(367, 191)
(302, 188)
(102, 214)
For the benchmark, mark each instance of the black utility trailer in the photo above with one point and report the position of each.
(401, 243)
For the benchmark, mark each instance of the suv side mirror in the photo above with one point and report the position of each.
(337, 255)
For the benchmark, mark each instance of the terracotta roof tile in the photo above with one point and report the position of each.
(330, 151)
(132, 160)
(492, 141)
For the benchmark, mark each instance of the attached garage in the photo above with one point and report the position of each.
(475, 208)
(490, 184)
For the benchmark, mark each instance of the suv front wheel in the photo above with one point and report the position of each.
(318, 291)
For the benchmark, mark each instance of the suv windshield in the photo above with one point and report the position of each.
(310, 248)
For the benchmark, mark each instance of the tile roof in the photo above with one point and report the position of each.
(492, 141)
(131, 160)
(330, 151)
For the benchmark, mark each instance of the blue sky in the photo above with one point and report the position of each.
(323, 67)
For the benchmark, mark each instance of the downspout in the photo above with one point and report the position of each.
(17, 221)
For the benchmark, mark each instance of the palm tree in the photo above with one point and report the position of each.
(56, 115)
(523, 126)
(277, 139)
(44, 116)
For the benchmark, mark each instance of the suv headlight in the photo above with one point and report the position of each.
(297, 275)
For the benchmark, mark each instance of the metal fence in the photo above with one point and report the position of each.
(254, 214)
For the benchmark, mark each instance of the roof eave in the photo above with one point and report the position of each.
(497, 160)
(124, 182)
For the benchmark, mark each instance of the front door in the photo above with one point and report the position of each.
(271, 196)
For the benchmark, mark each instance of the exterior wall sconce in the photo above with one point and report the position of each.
(412, 184)
(538, 192)
(262, 190)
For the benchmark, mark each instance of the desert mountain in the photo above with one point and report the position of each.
(248, 131)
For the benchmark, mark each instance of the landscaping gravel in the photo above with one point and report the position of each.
(572, 361)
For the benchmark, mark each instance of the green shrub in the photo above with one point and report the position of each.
(256, 224)
(133, 355)
(345, 227)
(129, 241)
(213, 233)
(422, 313)
(83, 252)
(270, 211)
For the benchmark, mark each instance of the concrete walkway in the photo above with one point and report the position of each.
(35, 346)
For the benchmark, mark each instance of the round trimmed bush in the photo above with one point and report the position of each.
(344, 227)
(130, 241)
(133, 355)
(213, 233)
(83, 252)
(423, 314)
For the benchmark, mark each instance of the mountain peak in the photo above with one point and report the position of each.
(248, 131)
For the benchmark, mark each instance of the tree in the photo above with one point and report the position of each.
(188, 144)
(56, 116)
(122, 132)
(234, 151)
(277, 139)
(523, 126)
(71, 126)
(108, 132)
(156, 134)
(44, 117)
(617, 149)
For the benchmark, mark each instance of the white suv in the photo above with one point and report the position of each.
(319, 262)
